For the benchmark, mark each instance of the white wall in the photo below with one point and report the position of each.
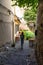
(6, 3)
(3, 10)
(5, 32)
(6, 23)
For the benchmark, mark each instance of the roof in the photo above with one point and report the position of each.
(17, 20)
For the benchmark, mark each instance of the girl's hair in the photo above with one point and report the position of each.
(22, 32)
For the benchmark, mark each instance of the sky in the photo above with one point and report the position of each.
(19, 11)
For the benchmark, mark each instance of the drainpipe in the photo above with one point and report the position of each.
(13, 31)
(13, 45)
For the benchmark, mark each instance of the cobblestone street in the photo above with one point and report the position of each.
(16, 56)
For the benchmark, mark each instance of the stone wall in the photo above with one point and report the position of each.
(5, 32)
(39, 38)
(6, 3)
(6, 20)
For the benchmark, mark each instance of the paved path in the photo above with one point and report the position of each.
(25, 46)
(16, 56)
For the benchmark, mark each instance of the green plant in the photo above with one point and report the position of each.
(28, 34)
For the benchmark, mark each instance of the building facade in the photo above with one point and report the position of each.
(17, 22)
(6, 22)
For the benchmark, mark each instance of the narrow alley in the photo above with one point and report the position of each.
(17, 18)
(16, 56)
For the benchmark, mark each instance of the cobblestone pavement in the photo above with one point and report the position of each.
(16, 56)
